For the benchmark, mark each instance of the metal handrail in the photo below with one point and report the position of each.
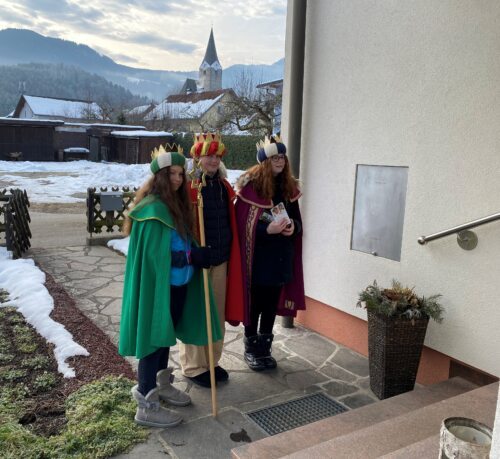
(422, 240)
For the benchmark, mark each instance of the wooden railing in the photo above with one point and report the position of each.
(106, 209)
(15, 220)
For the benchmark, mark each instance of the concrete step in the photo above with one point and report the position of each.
(428, 447)
(326, 429)
(404, 430)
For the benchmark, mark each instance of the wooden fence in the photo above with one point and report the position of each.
(15, 220)
(106, 209)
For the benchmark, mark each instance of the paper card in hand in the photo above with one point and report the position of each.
(266, 217)
(279, 212)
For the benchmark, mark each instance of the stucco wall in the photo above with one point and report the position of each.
(407, 83)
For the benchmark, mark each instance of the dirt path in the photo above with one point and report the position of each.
(55, 224)
(58, 224)
(58, 207)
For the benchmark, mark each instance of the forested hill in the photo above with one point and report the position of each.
(21, 46)
(61, 81)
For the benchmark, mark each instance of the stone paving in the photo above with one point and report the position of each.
(307, 363)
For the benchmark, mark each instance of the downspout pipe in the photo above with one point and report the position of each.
(294, 81)
(293, 87)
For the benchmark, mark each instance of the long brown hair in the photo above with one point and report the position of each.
(263, 180)
(178, 202)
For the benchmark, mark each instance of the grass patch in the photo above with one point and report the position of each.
(12, 374)
(96, 421)
(6, 358)
(24, 337)
(44, 382)
(37, 362)
(100, 424)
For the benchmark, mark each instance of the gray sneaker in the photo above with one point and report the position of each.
(150, 413)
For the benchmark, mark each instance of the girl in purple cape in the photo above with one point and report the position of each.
(271, 251)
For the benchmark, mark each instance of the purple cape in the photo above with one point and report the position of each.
(249, 207)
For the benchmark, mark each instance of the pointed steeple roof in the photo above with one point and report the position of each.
(211, 52)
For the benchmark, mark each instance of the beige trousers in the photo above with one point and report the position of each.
(194, 359)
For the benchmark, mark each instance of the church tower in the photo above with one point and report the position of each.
(210, 73)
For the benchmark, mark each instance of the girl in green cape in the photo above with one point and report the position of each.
(163, 296)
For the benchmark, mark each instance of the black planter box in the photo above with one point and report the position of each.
(394, 350)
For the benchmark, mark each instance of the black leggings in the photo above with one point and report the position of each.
(264, 304)
(158, 360)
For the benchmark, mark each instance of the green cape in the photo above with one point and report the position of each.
(146, 323)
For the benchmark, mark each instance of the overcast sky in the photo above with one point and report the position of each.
(159, 34)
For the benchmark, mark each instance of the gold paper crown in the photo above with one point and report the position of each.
(166, 149)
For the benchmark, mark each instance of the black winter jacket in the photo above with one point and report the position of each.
(273, 253)
(216, 218)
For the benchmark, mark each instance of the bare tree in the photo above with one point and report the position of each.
(252, 109)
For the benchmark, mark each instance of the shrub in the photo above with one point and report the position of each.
(241, 149)
(399, 301)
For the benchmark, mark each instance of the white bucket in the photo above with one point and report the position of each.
(465, 439)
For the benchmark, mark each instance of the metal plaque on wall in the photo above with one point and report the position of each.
(379, 209)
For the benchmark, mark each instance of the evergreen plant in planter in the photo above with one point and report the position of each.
(397, 323)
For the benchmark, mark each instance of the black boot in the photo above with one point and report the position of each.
(252, 354)
(265, 342)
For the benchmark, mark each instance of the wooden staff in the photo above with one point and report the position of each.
(199, 184)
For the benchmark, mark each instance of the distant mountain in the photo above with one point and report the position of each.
(259, 73)
(21, 46)
(62, 81)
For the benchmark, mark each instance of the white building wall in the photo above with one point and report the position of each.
(407, 83)
(26, 112)
(495, 445)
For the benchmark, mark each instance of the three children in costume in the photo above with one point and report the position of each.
(254, 264)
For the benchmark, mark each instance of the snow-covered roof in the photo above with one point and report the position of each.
(271, 84)
(138, 110)
(38, 121)
(61, 107)
(140, 133)
(124, 126)
(185, 106)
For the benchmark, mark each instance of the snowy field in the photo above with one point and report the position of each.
(66, 182)
(57, 182)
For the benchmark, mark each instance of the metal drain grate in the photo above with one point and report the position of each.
(295, 413)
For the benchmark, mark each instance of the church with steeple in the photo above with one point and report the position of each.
(200, 104)
(209, 73)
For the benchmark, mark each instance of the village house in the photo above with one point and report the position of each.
(50, 108)
(137, 114)
(56, 140)
(274, 89)
(190, 112)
